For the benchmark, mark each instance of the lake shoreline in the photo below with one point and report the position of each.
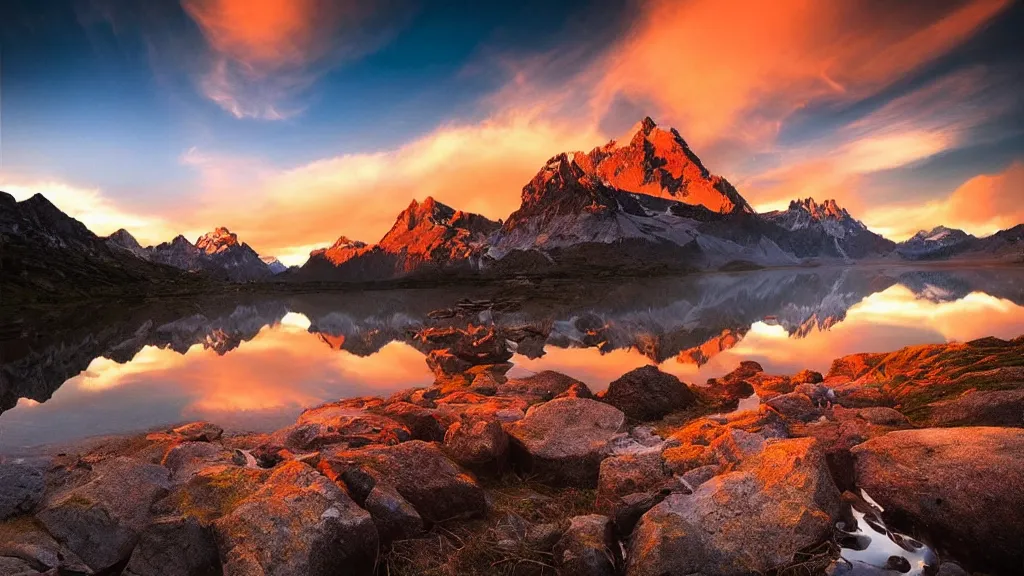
(457, 459)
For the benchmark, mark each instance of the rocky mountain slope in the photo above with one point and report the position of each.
(656, 162)
(427, 238)
(45, 255)
(942, 243)
(641, 204)
(572, 219)
(827, 231)
(276, 266)
(939, 242)
(218, 253)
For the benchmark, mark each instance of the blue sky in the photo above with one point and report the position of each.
(294, 122)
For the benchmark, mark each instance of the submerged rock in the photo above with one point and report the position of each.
(751, 520)
(962, 486)
(648, 394)
(563, 441)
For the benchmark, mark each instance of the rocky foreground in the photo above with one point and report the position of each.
(483, 474)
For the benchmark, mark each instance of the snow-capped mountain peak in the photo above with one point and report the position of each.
(219, 240)
(656, 162)
(275, 265)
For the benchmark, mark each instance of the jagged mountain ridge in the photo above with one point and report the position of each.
(640, 204)
(218, 253)
(427, 237)
(46, 255)
(828, 230)
(656, 162)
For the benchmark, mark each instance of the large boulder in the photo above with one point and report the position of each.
(964, 487)
(175, 546)
(977, 408)
(101, 520)
(751, 520)
(341, 423)
(563, 441)
(21, 489)
(630, 473)
(213, 492)
(480, 445)
(298, 524)
(648, 394)
(588, 548)
(544, 386)
(436, 487)
(795, 406)
(26, 540)
(187, 459)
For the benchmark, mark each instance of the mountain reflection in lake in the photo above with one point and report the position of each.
(254, 362)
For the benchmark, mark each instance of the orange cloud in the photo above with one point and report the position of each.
(984, 204)
(478, 168)
(265, 53)
(737, 77)
(916, 126)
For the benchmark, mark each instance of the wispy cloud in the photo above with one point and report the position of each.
(984, 204)
(265, 54)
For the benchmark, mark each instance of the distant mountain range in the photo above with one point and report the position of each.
(643, 203)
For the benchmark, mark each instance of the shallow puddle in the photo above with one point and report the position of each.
(870, 542)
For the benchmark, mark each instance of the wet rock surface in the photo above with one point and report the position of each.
(961, 485)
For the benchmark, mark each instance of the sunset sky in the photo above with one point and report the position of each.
(293, 122)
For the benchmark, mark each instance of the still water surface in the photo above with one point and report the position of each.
(253, 363)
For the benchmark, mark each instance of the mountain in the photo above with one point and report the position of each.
(942, 243)
(218, 253)
(827, 230)
(236, 259)
(1003, 245)
(123, 240)
(428, 237)
(570, 218)
(275, 265)
(659, 163)
(48, 256)
(939, 242)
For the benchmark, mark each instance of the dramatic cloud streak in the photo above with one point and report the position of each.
(738, 77)
(266, 53)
